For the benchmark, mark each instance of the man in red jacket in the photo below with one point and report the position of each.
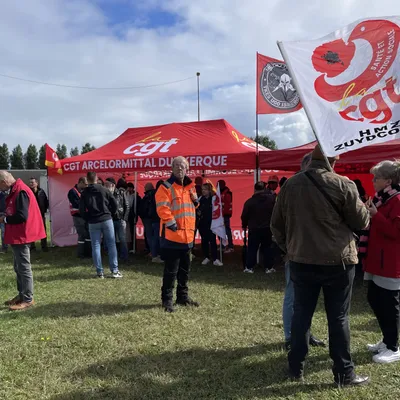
(24, 225)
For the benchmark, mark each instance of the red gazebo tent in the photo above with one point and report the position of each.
(355, 162)
(214, 148)
(212, 145)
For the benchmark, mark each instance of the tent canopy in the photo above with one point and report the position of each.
(214, 145)
(356, 161)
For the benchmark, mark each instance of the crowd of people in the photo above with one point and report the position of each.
(320, 223)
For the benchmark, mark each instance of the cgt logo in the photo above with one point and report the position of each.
(360, 97)
(148, 146)
(247, 142)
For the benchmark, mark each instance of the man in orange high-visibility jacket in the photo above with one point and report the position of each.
(176, 201)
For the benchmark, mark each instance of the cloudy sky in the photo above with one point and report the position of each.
(119, 43)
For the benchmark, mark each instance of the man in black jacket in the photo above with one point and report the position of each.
(97, 206)
(256, 216)
(43, 204)
(121, 216)
(81, 226)
(151, 221)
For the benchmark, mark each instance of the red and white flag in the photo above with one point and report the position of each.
(276, 93)
(217, 224)
(348, 82)
(52, 160)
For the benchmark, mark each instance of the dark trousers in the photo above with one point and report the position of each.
(84, 242)
(176, 266)
(208, 240)
(386, 307)
(43, 241)
(257, 238)
(227, 223)
(336, 283)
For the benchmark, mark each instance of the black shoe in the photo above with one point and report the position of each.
(45, 249)
(287, 345)
(168, 307)
(187, 302)
(316, 342)
(358, 380)
(296, 377)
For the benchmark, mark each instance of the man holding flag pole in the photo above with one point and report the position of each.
(349, 95)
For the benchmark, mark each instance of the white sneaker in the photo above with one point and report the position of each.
(206, 261)
(270, 271)
(387, 356)
(377, 348)
(157, 260)
(248, 271)
(218, 263)
(116, 275)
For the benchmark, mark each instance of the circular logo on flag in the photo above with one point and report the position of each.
(277, 88)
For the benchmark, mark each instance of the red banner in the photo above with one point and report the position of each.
(275, 90)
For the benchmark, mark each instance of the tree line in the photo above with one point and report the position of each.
(34, 158)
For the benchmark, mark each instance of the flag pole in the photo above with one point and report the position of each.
(198, 96)
(134, 221)
(302, 98)
(257, 178)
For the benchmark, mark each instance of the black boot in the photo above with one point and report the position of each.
(187, 302)
(88, 248)
(168, 306)
(81, 249)
(316, 342)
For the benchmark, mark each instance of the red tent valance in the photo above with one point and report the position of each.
(214, 145)
(357, 161)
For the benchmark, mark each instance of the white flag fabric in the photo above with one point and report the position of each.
(217, 224)
(349, 83)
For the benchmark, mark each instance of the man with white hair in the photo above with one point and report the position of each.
(176, 200)
(24, 225)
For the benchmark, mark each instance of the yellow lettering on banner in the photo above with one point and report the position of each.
(152, 138)
(347, 93)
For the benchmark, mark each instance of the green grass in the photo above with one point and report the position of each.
(109, 339)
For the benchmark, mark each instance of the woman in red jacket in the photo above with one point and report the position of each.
(382, 262)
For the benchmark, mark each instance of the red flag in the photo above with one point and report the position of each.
(52, 160)
(275, 89)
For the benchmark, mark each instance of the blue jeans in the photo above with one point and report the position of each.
(107, 229)
(155, 239)
(120, 231)
(288, 301)
(3, 230)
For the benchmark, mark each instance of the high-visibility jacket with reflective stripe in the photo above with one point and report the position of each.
(176, 205)
(74, 196)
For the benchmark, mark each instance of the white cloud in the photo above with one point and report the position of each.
(72, 42)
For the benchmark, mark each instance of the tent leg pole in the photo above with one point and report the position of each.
(135, 211)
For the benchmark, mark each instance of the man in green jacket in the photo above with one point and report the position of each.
(312, 222)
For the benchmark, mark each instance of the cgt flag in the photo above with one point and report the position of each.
(217, 224)
(275, 90)
(348, 82)
(52, 160)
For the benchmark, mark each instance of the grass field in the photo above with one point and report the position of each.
(110, 339)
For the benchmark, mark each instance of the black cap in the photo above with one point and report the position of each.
(111, 180)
